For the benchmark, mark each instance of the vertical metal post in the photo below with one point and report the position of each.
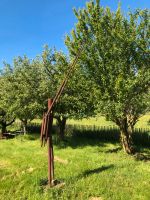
(50, 148)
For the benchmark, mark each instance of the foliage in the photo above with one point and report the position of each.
(76, 100)
(26, 85)
(7, 96)
(26, 89)
(116, 57)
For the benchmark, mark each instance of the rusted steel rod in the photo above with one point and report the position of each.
(45, 122)
(50, 146)
(46, 127)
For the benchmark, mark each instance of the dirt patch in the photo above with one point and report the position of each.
(30, 170)
(95, 198)
(57, 159)
(4, 164)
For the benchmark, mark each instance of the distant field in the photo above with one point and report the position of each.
(101, 121)
(90, 169)
(144, 122)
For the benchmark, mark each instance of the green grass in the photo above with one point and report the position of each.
(144, 122)
(90, 169)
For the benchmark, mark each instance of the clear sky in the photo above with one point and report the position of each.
(26, 25)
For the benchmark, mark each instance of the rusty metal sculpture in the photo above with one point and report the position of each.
(46, 127)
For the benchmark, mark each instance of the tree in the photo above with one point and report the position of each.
(29, 88)
(116, 57)
(7, 116)
(76, 100)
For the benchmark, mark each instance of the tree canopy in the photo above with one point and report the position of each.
(77, 99)
(7, 115)
(116, 57)
(111, 78)
(24, 89)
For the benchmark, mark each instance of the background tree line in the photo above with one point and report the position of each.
(26, 86)
(112, 77)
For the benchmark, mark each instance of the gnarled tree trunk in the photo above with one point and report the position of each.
(61, 121)
(126, 141)
(4, 125)
(126, 136)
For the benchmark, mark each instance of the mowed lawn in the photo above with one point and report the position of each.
(90, 169)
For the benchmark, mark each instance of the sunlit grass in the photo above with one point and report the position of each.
(144, 122)
(91, 169)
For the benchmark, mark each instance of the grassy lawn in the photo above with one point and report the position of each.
(101, 121)
(89, 169)
(144, 122)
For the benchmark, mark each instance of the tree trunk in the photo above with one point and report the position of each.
(126, 138)
(131, 130)
(4, 124)
(3, 129)
(1, 135)
(62, 126)
(24, 126)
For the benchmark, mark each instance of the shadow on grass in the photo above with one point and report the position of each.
(81, 136)
(90, 172)
(115, 150)
(96, 171)
(142, 157)
(43, 182)
(142, 154)
(28, 136)
(78, 142)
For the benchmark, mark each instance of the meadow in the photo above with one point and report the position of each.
(89, 168)
(143, 122)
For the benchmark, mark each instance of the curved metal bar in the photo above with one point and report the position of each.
(45, 127)
(64, 82)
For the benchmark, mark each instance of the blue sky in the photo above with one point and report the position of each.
(26, 25)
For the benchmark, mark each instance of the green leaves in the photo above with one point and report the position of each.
(115, 57)
(7, 96)
(75, 102)
(24, 89)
